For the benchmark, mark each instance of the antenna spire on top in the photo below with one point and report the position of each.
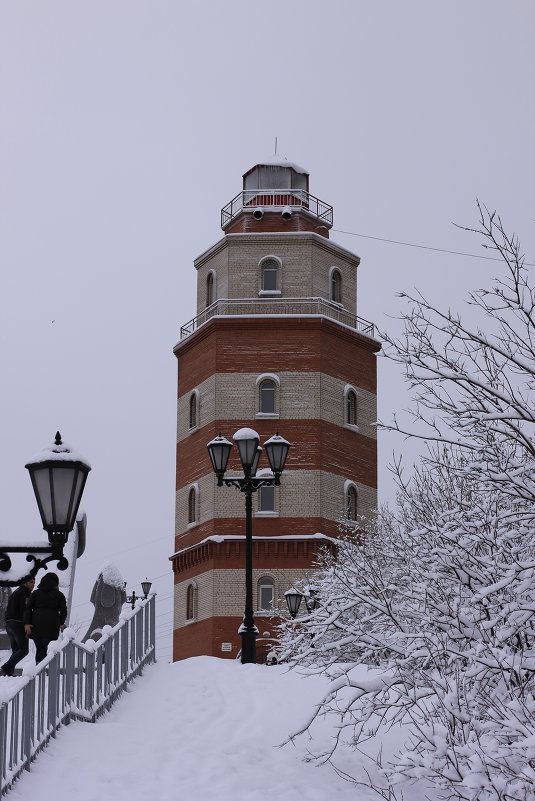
(275, 145)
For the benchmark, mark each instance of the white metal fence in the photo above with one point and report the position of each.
(75, 681)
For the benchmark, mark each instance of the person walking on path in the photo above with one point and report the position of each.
(45, 615)
(18, 640)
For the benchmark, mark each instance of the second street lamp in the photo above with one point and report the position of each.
(249, 450)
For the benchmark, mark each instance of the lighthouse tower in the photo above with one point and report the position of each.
(276, 345)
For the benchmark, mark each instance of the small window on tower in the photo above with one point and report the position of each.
(267, 397)
(266, 499)
(266, 594)
(351, 408)
(336, 286)
(270, 273)
(192, 506)
(191, 601)
(193, 409)
(210, 289)
(351, 503)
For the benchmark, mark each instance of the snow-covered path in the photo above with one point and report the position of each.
(202, 728)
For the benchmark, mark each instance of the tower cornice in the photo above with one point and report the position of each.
(268, 238)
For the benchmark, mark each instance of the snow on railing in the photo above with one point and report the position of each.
(274, 199)
(284, 307)
(75, 681)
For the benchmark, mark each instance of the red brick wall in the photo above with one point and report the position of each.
(272, 222)
(316, 445)
(262, 527)
(296, 344)
(206, 637)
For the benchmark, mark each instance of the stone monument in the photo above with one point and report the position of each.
(108, 597)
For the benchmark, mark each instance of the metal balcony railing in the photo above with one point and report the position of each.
(282, 307)
(274, 199)
(75, 681)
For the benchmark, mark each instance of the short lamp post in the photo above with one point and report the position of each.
(58, 476)
(145, 586)
(249, 450)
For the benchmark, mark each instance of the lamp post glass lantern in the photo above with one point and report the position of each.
(58, 478)
(311, 599)
(248, 444)
(219, 449)
(58, 475)
(293, 601)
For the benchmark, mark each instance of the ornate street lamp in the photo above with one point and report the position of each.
(249, 450)
(58, 476)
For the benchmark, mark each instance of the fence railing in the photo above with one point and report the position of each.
(75, 681)
(273, 199)
(279, 306)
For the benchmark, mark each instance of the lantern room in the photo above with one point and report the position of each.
(276, 173)
(276, 197)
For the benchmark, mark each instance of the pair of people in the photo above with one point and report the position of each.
(39, 615)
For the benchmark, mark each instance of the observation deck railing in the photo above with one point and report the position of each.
(274, 199)
(75, 681)
(282, 307)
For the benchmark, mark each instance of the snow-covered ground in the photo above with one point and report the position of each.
(201, 728)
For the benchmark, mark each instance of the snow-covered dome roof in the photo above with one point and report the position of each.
(277, 160)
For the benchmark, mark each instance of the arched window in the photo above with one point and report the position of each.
(270, 275)
(267, 396)
(336, 286)
(351, 408)
(266, 593)
(191, 601)
(351, 503)
(193, 404)
(192, 505)
(210, 289)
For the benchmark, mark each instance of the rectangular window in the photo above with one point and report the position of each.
(267, 397)
(274, 177)
(266, 501)
(270, 277)
(266, 597)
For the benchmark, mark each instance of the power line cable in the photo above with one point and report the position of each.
(425, 247)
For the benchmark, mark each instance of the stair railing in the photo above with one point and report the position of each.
(76, 681)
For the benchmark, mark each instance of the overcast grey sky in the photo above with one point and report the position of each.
(127, 125)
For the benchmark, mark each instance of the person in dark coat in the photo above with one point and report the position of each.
(18, 640)
(45, 615)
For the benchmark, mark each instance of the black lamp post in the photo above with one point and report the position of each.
(58, 476)
(249, 450)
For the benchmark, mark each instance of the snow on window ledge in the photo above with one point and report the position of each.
(268, 415)
(193, 429)
(192, 524)
(266, 514)
(190, 620)
(351, 426)
(269, 292)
